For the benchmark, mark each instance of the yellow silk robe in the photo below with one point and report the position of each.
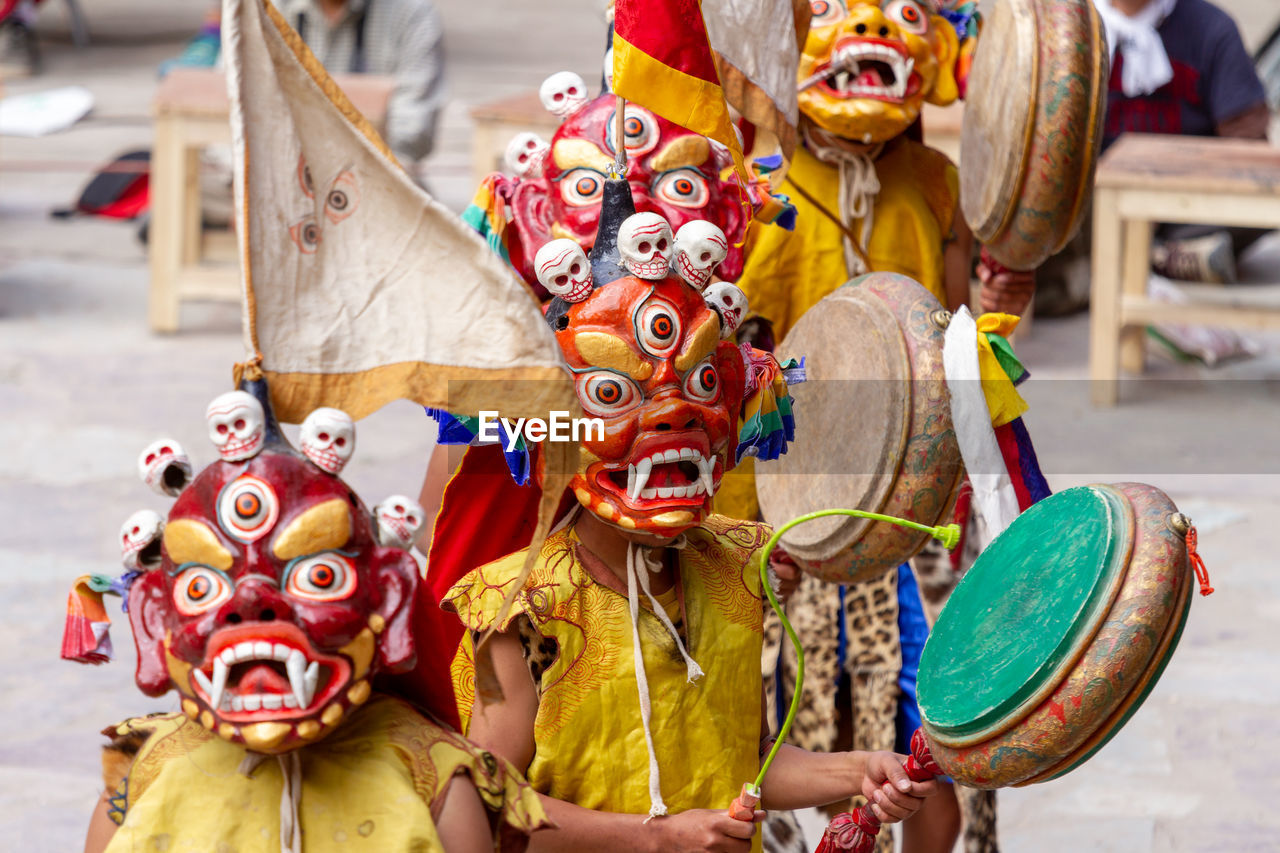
(589, 741)
(375, 784)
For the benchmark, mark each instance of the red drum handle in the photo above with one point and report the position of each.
(744, 805)
(855, 832)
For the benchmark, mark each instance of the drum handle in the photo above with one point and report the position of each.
(743, 806)
(855, 831)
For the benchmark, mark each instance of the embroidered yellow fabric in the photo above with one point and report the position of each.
(377, 783)
(590, 747)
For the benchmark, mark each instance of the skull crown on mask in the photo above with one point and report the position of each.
(271, 604)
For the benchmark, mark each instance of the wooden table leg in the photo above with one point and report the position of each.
(164, 243)
(1104, 300)
(481, 151)
(1133, 282)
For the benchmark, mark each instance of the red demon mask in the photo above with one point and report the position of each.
(649, 362)
(273, 604)
(672, 172)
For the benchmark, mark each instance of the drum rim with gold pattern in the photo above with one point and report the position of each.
(1027, 171)
(1069, 711)
(928, 471)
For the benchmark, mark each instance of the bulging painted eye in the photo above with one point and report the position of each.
(909, 15)
(305, 234)
(639, 130)
(682, 187)
(581, 187)
(604, 393)
(247, 508)
(827, 12)
(198, 589)
(703, 383)
(658, 327)
(342, 198)
(328, 576)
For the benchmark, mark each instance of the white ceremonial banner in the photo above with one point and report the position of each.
(359, 288)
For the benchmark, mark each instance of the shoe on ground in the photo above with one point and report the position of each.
(1210, 259)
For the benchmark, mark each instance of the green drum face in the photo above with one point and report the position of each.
(1055, 636)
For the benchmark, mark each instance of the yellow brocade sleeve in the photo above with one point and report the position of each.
(376, 783)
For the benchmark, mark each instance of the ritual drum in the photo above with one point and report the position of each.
(876, 432)
(1033, 116)
(1056, 635)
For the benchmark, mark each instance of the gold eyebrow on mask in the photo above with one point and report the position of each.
(604, 350)
(573, 153)
(702, 342)
(681, 154)
(322, 528)
(190, 541)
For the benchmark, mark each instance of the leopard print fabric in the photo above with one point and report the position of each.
(539, 652)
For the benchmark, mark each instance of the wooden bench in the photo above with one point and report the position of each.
(192, 113)
(1144, 179)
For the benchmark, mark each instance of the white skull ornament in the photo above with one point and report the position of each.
(329, 439)
(164, 466)
(644, 241)
(700, 247)
(563, 269)
(526, 154)
(237, 425)
(563, 93)
(399, 520)
(140, 540)
(730, 303)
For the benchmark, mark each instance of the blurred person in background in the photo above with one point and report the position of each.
(403, 39)
(1180, 67)
(397, 38)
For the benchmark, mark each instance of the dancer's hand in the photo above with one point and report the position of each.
(1004, 290)
(786, 570)
(704, 831)
(891, 793)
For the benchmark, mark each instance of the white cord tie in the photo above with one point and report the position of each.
(639, 556)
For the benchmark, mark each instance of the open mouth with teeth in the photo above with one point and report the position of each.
(267, 671)
(674, 469)
(876, 69)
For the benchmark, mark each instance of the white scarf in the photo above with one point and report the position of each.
(1146, 64)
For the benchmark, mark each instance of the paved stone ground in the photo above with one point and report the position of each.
(84, 385)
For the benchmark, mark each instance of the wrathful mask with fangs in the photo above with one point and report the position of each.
(671, 172)
(869, 66)
(648, 361)
(273, 605)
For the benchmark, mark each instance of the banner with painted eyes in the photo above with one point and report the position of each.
(359, 288)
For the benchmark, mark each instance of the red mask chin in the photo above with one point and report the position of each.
(271, 625)
(649, 363)
(672, 172)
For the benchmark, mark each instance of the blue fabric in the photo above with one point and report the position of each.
(913, 630)
(461, 429)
